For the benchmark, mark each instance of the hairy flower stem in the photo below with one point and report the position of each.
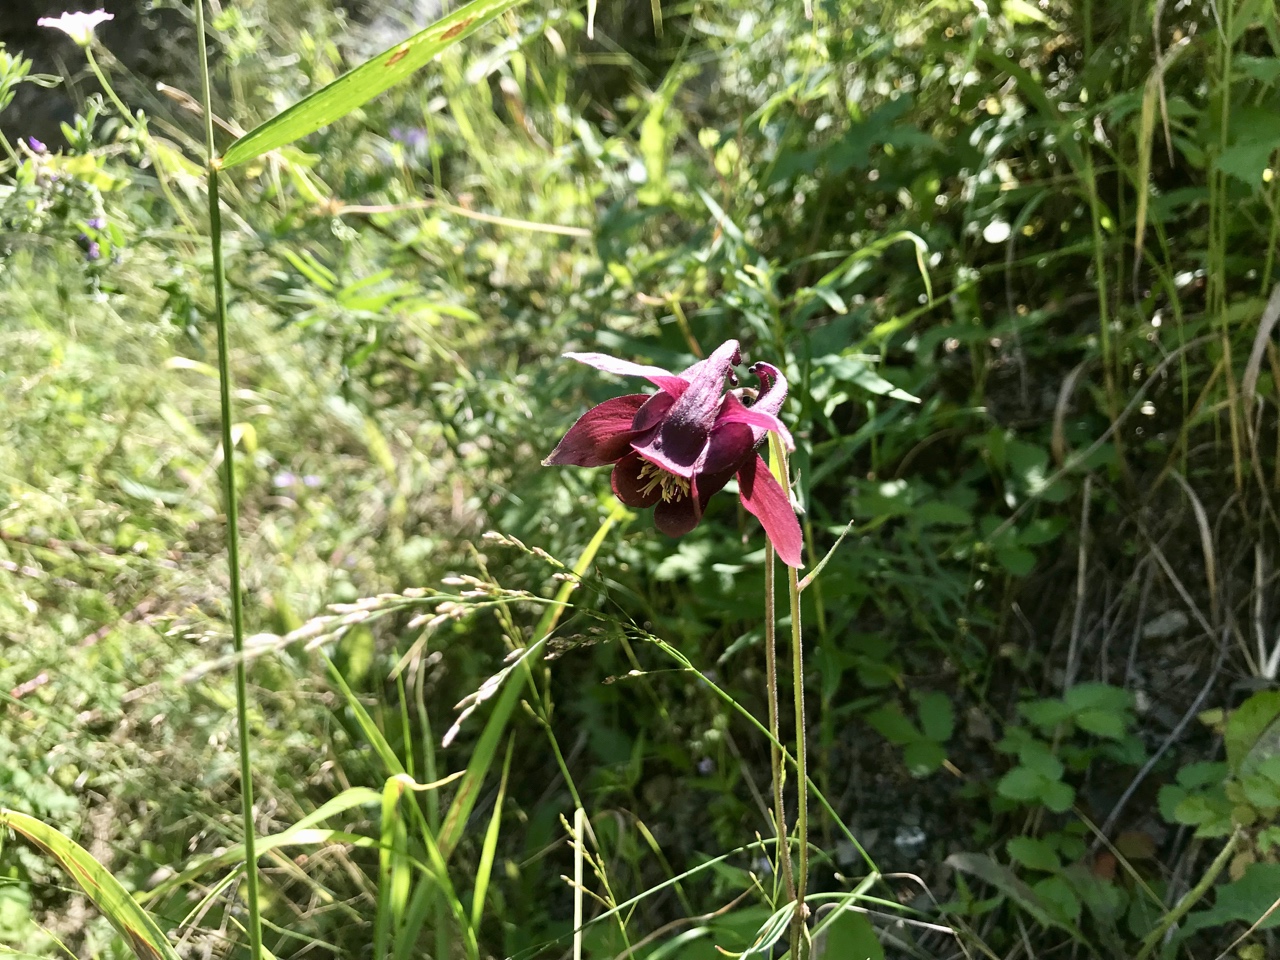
(232, 507)
(799, 933)
(775, 748)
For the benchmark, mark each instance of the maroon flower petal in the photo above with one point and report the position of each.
(730, 446)
(628, 485)
(681, 442)
(710, 484)
(652, 413)
(765, 499)
(773, 395)
(734, 412)
(675, 518)
(602, 435)
(668, 381)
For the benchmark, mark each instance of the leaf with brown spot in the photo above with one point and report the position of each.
(456, 29)
(354, 89)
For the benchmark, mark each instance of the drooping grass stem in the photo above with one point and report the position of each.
(232, 502)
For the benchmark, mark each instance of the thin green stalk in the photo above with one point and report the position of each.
(775, 747)
(109, 90)
(802, 775)
(232, 504)
(1194, 896)
(778, 465)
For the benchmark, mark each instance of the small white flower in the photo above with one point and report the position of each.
(78, 26)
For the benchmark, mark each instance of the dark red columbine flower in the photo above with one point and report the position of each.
(673, 449)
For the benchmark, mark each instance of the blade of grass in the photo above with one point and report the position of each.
(357, 87)
(367, 726)
(144, 936)
(486, 747)
(435, 868)
(487, 851)
(393, 869)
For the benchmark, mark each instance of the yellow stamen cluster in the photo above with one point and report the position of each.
(673, 487)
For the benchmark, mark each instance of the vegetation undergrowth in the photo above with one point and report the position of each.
(1016, 262)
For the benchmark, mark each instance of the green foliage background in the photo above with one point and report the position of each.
(1015, 259)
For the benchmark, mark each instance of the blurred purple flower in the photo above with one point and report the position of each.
(37, 146)
(96, 223)
(311, 480)
(284, 479)
(674, 449)
(706, 766)
(93, 251)
(415, 138)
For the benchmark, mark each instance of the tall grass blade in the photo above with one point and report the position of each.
(367, 726)
(144, 936)
(487, 852)
(487, 746)
(359, 86)
(435, 868)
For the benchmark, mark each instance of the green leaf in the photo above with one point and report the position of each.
(1249, 155)
(1059, 899)
(1017, 560)
(1266, 69)
(1169, 798)
(1098, 696)
(1245, 901)
(1058, 796)
(937, 717)
(1261, 792)
(1002, 878)
(890, 722)
(1033, 853)
(145, 938)
(856, 370)
(1247, 728)
(1202, 775)
(923, 757)
(1101, 723)
(1021, 783)
(1045, 714)
(847, 936)
(1203, 812)
(1037, 756)
(359, 86)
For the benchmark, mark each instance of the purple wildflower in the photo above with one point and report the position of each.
(37, 146)
(96, 223)
(93, 251)
(674, 449)
(415, 138)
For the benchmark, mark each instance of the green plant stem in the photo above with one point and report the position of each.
(109, 90)
(1194, 896)
(802, 775)
(779, 467)
(232, 504)
(775, 747)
